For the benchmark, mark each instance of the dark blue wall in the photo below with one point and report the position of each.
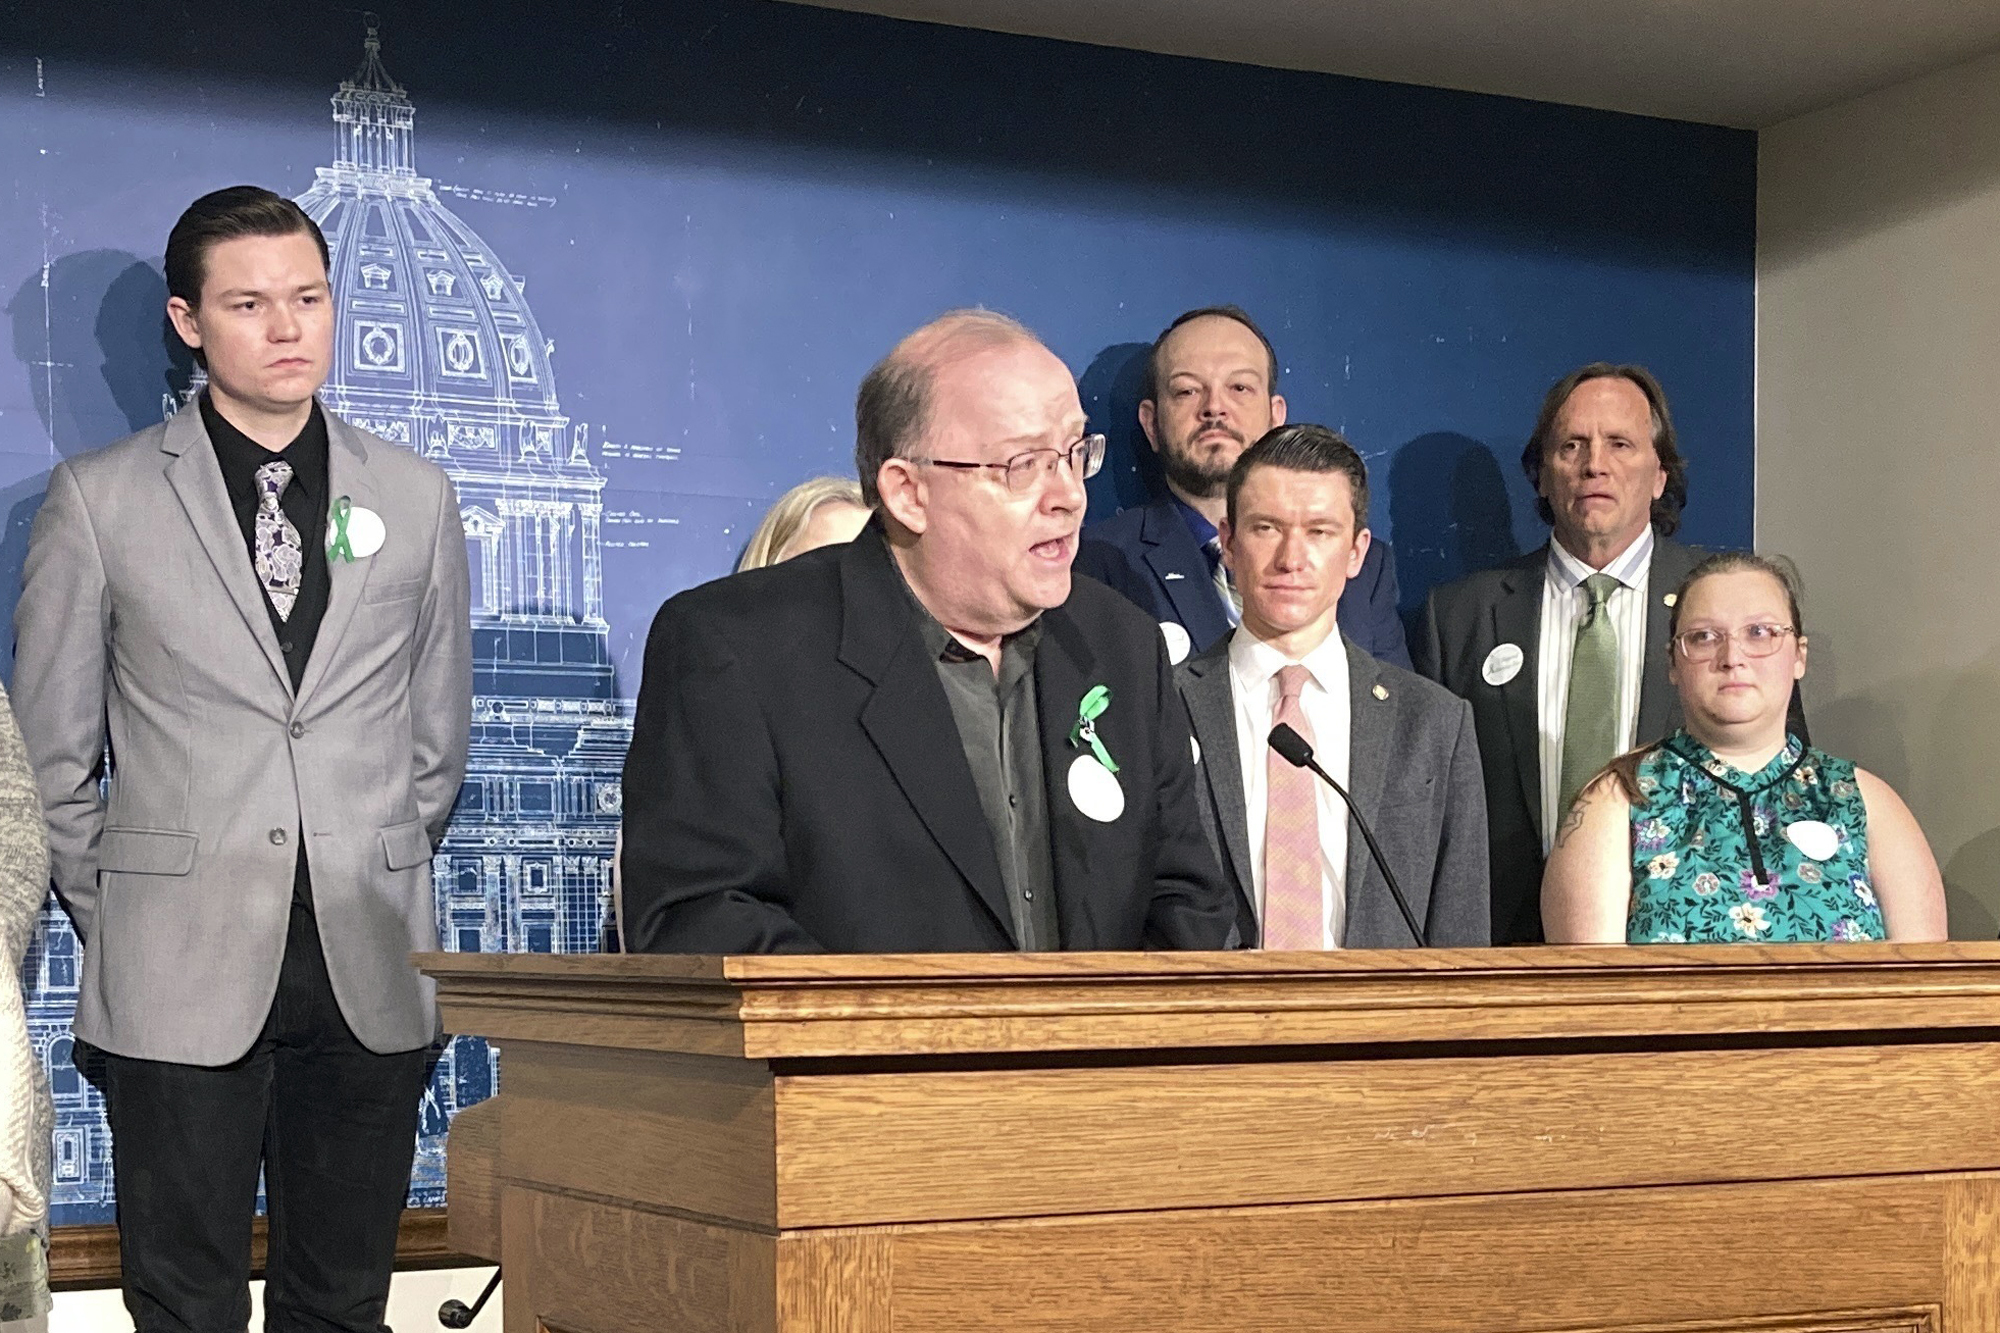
(725, 210)
(752, 201)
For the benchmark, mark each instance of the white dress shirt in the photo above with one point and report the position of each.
(1253, 683)
(1564, 603)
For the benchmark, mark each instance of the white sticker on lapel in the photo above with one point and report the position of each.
(1502, 664)
(1197, 748)
(1816, 840)
(1094, 791)
(1179, 645)
(365, 532)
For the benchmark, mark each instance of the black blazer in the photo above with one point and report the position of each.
(796, 781)
(1466, 620)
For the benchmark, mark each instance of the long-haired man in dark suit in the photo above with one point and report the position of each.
(1562, 653)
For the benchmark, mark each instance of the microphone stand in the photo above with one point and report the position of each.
(1294, 750)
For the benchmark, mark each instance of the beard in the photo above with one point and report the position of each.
(1193, 473)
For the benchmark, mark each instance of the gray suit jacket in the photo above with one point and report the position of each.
(141, 622)
(1413, 769)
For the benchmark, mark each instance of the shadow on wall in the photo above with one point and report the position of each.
(1960, 759)
(1958, 710)
(1450, 512)
(1111, 387)
(101, 362)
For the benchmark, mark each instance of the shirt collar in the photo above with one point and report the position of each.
(1254, 662)
(1566, 571)
(939, 643)
(1197, 522)
(238, 452)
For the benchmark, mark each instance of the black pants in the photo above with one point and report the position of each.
(332, 1124)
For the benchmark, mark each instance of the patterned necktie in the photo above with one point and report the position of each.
(1590, 718)
(1225, 587)
(280, 557)
(1294, 917)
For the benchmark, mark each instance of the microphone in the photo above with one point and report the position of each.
(1294, 750)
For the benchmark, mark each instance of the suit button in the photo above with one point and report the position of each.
(278, 837)
(298, 730)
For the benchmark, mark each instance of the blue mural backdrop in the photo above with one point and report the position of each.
(621, 271)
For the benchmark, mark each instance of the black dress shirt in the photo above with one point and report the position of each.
(306, 503)
(999, 729)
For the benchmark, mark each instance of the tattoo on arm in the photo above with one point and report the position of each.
(1571, 822)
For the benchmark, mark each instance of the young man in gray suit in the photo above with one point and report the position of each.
(1295, 531)
(263, 610)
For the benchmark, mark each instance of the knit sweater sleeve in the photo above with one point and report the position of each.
(26, 1117)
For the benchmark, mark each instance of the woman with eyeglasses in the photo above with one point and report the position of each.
(1731, 830)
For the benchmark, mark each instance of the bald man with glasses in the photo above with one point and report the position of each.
(931, 738)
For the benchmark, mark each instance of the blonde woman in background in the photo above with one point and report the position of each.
(26, 1117)
(825, 511)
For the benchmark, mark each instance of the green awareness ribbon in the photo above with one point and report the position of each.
(1085, 731)
(340, 548)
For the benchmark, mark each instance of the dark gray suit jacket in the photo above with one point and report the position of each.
(1413, 769)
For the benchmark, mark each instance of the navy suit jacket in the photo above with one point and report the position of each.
(1148, 554)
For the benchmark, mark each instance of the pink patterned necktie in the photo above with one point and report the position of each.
(1293, 914)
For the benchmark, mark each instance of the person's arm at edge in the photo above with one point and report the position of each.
(1461, 884)
(1587, 885)
(1900, 865)
(1387, 639)
(441, 673)
(1427, 653)
(62, 629)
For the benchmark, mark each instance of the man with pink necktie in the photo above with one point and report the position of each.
(1296, 531)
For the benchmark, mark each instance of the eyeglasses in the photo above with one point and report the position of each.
(1702, 645)
(1023, 470)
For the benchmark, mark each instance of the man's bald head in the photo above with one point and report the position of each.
(893, 406)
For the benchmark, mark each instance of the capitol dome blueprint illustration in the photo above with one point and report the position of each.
(436, 349)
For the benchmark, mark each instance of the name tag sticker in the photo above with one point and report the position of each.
(364, 531)
(1817, 841)
(1502, 664)
(1094, 791)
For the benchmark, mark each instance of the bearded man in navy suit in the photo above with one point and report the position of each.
(1211, 391)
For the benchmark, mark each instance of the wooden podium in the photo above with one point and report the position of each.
(1800, 1138)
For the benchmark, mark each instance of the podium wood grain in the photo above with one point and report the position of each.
(1796, 1139)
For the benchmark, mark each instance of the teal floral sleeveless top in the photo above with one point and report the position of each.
(1723, 856)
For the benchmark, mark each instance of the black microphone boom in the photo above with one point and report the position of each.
(1293, 749)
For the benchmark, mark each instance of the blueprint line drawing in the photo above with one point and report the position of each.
(437, 350)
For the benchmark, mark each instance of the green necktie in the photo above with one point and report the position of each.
(1590, 718)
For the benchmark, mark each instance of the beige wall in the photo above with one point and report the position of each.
(1878, 443)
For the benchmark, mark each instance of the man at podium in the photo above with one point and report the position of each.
(930, 738)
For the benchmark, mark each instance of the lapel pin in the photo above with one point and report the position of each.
(1670, 599)
(1381, 691)
(1502, 664)
(1093, 788)
(352, 532)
